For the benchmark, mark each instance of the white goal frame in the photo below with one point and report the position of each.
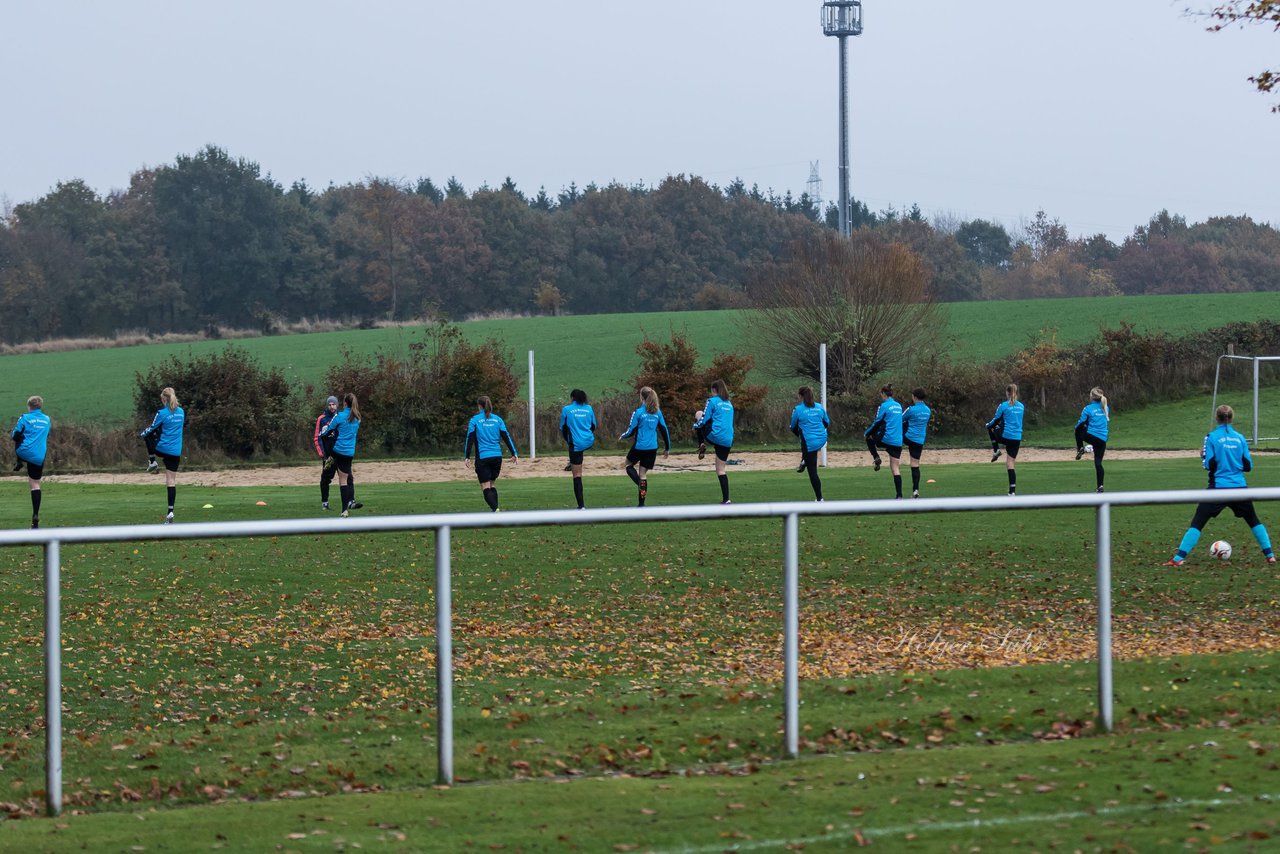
(1254, 438)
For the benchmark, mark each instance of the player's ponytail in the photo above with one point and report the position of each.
(1011, 392)
(485, 405)
(1225, 414)
(349, 401)
(806, 395)
(721, 390)
(169, 398)
(1096, 394)
(649, 398)
(887, 389)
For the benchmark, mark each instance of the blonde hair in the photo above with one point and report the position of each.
(1011, 392)
(35, 401)
(1225, 414)
(486, 405)
(649, 398)
(169, 397)
(1095, 393)
(721, 390)
(349, 400)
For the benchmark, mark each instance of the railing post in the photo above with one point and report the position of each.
(791, 632)
(1104, 617)
(444, 656)
(52, 678)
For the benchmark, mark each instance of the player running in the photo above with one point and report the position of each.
(809, 421)
(915, 424)
(31, 443)
(1226, 458)
(578, 427)
(344, 427)
(164, 440)
(714, 423)
(1093, 429)
(1006, 429)
(647, 424)
(485, 432)
(886, 432)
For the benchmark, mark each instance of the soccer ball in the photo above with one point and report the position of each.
(1220, 549)
(1088, 449)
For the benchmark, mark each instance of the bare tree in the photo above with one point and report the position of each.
(867, 300)
(1249, 12)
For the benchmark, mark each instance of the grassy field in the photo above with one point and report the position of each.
(598, 352)
(282, 668)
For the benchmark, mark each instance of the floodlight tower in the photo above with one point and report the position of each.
(843, 18)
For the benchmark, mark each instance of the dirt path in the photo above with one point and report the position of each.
(438, 471)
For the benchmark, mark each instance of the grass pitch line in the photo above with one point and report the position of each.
(871, 833)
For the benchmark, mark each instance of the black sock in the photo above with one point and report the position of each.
(324, 493)
(1013, 480)
(35, 501)
(915, 479)
(897, 484)
(634, 475)
(491, 498)
(577, 490)
(173, 493)
(344, 490)
(644, 489)
(815, 482)
(871, 446)
(724, 486)
(1097, 470)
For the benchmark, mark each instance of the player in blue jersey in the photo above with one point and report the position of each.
(164, 440)
(324, 449)
(345, 426)
(809, 421)
(886, 432)
(647, 424)
(915, 429)
(578, 427)
(1093, 428)
(1226, 458)
(714, 423)
(485, 433)
(31, 443)
(1006, 429)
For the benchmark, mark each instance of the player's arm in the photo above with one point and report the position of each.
(472, 442)
(665, 434)
(631, 427)
(506, 437)
(1246, 461)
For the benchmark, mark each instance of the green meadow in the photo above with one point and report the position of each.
(597, 352)
(279, 692)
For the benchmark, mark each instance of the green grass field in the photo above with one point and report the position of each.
(945, 675)
(597, 352)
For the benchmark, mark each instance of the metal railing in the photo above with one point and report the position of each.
(443, 524)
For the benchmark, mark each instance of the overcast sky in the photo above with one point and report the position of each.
(1101, 112)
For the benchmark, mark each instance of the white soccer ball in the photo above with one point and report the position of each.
(1220, 549)
(1088, 449)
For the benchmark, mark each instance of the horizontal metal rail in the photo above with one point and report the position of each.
(51, 539)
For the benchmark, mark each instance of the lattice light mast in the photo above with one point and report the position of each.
(843, 18)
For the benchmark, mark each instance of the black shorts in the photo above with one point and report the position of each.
(1242, 509)
(894, 451)
(35, 471)
(1011, 446)
(170, 462)
(915, 449)
(488, 469)
(722, 452)
(645, 459)
(575, 458)
(342, 463)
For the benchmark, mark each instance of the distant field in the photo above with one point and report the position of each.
(597, 352)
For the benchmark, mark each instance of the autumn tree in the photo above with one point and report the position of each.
(1251, 12)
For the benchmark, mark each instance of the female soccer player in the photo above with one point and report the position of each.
(714, 424)
(647, 424)
(1093, 428)
(324, 449)
(31, 442)
(345, 425)
(164, 440)
(886, 432)
(485, 432)
(1006, 429)
(915, 423)
(578, 426)
(809, 421)
(1226, 458)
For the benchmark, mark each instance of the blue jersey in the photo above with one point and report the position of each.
(1011, 413)
(647, 426)
(169, 423)
(1098, 422)
(810, 423)
(578, 426)
(32, 435)
(1226, 458)
(718, 413)
(345, 428)
(915, 422)
(485, 433)
(890, 415)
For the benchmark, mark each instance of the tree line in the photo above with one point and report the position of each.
(211, 241)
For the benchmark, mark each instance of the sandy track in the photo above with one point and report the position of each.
(439, 471)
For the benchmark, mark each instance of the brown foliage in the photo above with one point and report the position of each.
(672, 370)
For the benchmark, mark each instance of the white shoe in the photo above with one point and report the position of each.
(345, 513)
(168, 519)
(153, 467)
(915, 493)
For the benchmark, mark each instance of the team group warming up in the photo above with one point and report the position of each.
(1225, 453)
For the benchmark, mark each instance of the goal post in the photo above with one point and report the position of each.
(1255, 364)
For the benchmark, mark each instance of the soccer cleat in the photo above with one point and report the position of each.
(18, 465)
(568, 467)
(324, 505)
(995, 455)
(726, 501)
(153, 467)
(800, 468)
(168, 518)
(345, 513)
(1079, 453)
(35, 522)
(875, 464)
(702, 451)
(1271, 558)
(356, 505)
(915, 493)
(1099, 490)
(1174, 561)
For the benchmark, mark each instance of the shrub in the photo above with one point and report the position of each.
(672, 371)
